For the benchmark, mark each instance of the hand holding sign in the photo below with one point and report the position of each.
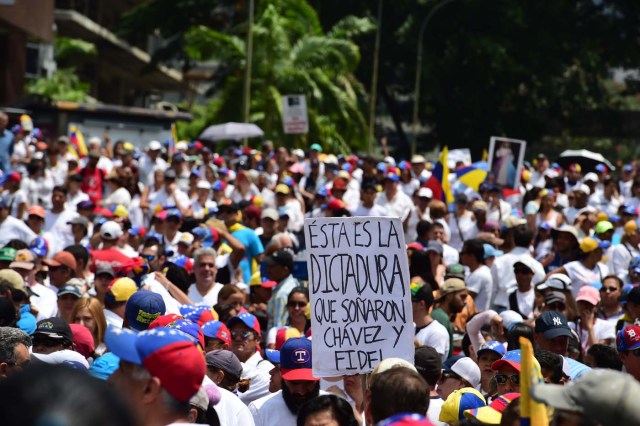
(359, 288)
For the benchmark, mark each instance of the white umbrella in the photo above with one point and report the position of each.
(235, 131)
(587, 159)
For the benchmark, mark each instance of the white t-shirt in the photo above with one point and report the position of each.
(581, 276)
(602, 329)
(15, 229)
(119, 196)
(433, 413)
(46, 301)
(231, 411)
(272, 411)
(375, 211)
(436, 336)
(399, 206)
(209, 299)
(480, 282)
(464, 226)
(14, 200)
(56, 231)
(256, 369)
(525, 302)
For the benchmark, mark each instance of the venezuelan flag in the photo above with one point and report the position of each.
(532, 413)
(472, 176)
(173, 141)
(439, 180)
(77, 142)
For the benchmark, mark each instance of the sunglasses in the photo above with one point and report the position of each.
(609, 289)
(501, 379)
(449, 375)
(294, 304)
(147, 257)
(244, 335)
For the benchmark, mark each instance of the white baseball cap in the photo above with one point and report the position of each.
(155, 146)
(425, 192)
(468, 370)
(110, 230)
(203, 184)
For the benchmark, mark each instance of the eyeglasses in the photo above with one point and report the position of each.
(501, 379)
(522, 271)
(294, 304)
(148, 257)
(609, 289)
(244, 335)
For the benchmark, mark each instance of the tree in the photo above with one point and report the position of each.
(292, 55)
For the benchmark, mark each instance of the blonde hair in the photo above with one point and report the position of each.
(94, 306)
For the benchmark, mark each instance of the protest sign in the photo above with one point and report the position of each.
(360, 293)
(294, 114)
(506, 157)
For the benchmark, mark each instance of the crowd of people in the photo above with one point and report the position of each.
(164, 284)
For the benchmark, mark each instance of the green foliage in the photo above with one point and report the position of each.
(291, 56)
(64, 85)
(70, 48)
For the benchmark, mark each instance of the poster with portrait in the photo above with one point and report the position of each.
(506, 157)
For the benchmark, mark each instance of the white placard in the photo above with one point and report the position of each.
(294, 114)
(360, 293)
(506, 157)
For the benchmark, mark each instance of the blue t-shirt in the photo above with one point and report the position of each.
(253, 246)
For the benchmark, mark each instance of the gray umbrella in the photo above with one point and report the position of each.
(231, 131)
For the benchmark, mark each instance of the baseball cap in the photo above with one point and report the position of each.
(105, 268)
(216, 330)
(63, 258)
(511, 358)
(527, 261)
(434, 246)
(142, 308)
(295, 359)
(389, 363)
(14, 280)
(588, 294)
(207, 235)
(479, 205)
(552, 324)
(451, 285)
(270, 214)
(224, 360)
(492, 346)
(272, 355)
(36, 211)
(79, 220)
(110, 230)
(121, 289)
(589, 244)
(468, 370)
(54, 328)
(284, 334)
(316, 147)
(513, 221)
(189, 328)
(228, 206)
(70, 289)
(39, 246)
(630, 228)
(7, 254)
(555, 296)
(425, 193)
(491, 251)
(24, 259)
(606, 396)
(83, 340)
(492, 413)
(427, 361)
(104, 366)
(510, 318)
(458, 402)
(199, 314)
(339, 184)
(603, 226)
(567, 229)
(280, 258)
(454, 270)
(168, 354)
(170, 173)
(628, 338)
(560, 282)
(247, 319)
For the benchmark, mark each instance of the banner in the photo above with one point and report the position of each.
(294, 114)
(360, 295)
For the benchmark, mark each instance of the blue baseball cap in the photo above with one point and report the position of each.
(189, 328)
(217, 330)
(39, 246)
(511, 358)
(121, 342)
(272, 355)
(493, 346)
(490, 251)
(393, 177)
(174, 213)
(552, 324)
(104, 366)
(295, 360)
(142, 308)
(247, 319)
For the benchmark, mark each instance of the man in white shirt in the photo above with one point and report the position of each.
(479, 282)
(149, 161)
(367, 205)
(12, 228)
(170, 195)
(205, 290)
(57, 230)
(245, 337)
(397, 203)
(298, 386)
(429, 332)
(504, 279)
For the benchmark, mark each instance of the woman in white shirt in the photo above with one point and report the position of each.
(462, 223)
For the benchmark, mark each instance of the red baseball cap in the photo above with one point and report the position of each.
(63, 258)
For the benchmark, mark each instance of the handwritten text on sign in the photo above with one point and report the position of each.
(360, 296)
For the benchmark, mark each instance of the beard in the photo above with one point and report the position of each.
(295, 401)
